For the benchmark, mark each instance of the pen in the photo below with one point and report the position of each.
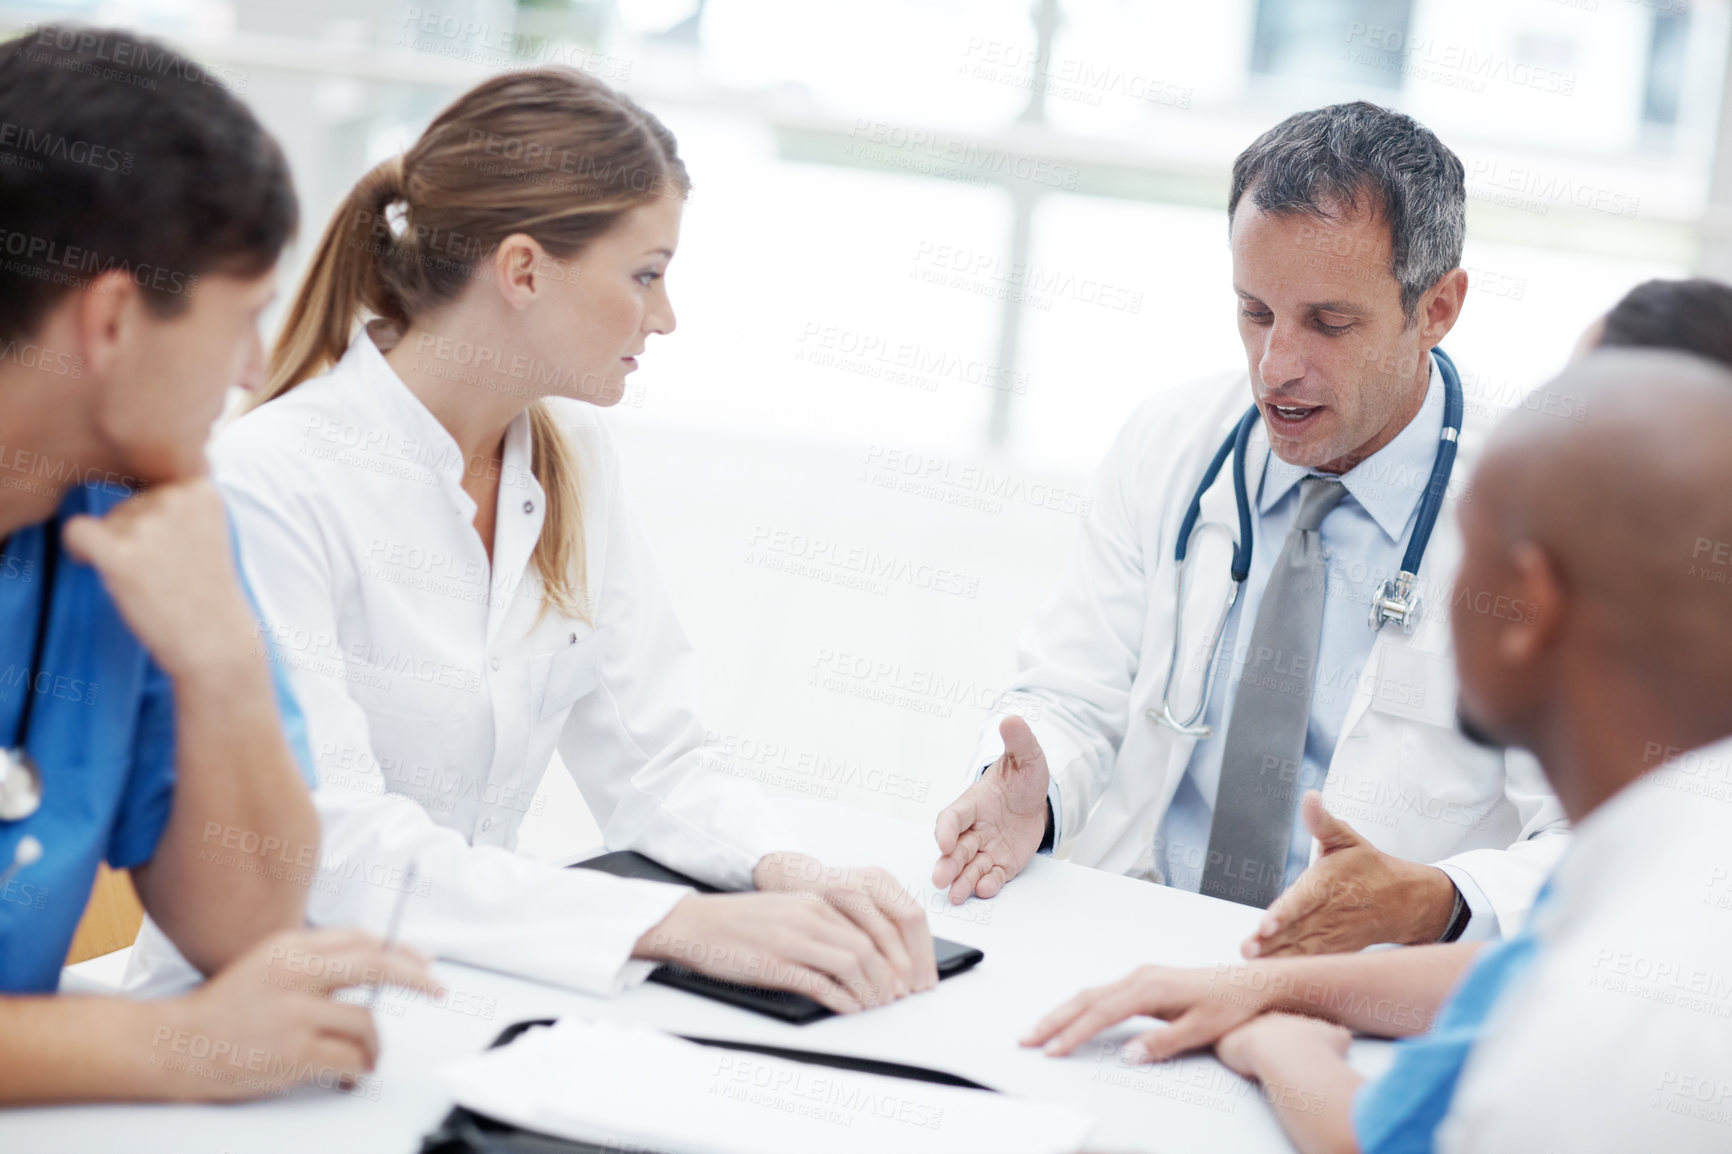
(395, 924)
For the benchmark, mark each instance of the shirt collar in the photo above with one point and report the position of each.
(1387, 484)
(422, 436)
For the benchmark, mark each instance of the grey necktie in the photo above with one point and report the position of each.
(1257, 800)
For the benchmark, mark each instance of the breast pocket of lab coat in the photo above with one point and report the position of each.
(573, 671)
(1448, 785)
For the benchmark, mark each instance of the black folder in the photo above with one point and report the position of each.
(953, 957)
(465, 1132)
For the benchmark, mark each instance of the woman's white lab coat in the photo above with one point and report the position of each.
(435, 696)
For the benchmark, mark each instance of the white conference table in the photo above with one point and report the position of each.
(1054, 930)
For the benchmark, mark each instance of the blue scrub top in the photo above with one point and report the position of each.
(1400, 1112)
(102, 733)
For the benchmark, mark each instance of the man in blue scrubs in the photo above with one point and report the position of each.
(138, 246)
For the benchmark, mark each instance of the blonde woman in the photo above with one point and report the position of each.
(430, 505)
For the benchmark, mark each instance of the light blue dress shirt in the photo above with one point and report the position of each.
(1363, 541)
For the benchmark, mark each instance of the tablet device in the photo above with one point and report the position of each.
(953, 957)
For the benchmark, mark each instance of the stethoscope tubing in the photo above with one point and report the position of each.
(1430, 504)
(1235, 447)
(18, 755)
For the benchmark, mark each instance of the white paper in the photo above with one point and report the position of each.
(642, 1089)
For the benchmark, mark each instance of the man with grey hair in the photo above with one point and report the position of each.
(1617, 677)
(1203, 703)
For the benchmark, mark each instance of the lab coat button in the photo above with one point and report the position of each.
(529, 506)
(494, 663)
(486, 824)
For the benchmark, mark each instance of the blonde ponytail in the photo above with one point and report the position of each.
(549, 152)
(557, 470)
(342, 280)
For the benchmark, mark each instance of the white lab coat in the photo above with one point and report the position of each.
(435, 698)
(1092, 665)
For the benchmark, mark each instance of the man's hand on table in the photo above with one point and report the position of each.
(1353, 896)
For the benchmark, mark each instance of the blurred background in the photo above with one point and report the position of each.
(937, 252)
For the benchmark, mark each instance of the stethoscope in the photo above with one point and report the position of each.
(20, 776)
(1395, 599)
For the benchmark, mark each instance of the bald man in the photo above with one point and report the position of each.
(1604, 1024)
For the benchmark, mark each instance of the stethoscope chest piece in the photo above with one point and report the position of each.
(20, 785)
(1396, 601)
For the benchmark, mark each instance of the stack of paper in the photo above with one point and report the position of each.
(638, 1088)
